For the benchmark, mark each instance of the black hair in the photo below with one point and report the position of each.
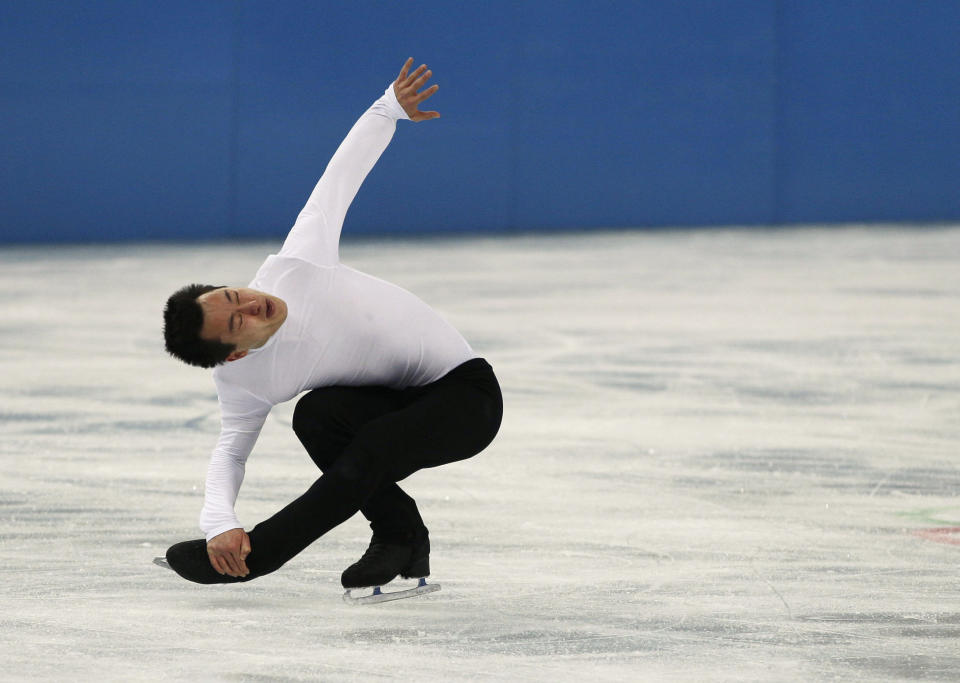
(182, 322)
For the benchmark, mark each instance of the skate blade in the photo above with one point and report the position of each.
(379, 596)
(162, 562)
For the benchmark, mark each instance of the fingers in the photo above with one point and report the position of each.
(403, 72)
(240, 566)
(417, 84)
(231, 564)
(406, 87)
(403, 79)
(426, 93)
(215, 563)
(415, 80)
(219, 562)
(410, 93)
(244, 551)
(414, 76)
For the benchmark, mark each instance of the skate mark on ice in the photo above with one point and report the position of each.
(945, 534)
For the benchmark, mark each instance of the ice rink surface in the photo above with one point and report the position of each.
(726, 455)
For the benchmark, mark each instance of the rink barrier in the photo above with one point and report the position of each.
(183, 120)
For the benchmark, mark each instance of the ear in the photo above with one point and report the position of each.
(236, 355)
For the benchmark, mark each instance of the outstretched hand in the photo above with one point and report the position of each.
(406, 87)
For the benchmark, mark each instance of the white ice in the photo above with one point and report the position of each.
(726, 455)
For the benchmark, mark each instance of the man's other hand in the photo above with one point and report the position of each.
(228, 552)
(406, 87)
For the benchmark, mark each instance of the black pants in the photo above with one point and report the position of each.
(365, 439)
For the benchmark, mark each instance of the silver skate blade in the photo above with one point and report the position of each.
(379, 596)
(162, 562)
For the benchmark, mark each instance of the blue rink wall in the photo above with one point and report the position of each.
(206, 120)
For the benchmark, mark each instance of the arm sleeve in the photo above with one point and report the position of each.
(315, 237)
(239, 428)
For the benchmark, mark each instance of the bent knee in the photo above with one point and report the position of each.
(361, 465)
(489, 418)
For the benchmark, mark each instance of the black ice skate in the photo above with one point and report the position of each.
(381, 564)
(189, 559)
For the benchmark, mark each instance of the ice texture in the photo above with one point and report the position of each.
(726, 455)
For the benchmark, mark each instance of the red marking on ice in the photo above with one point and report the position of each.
(943, 534)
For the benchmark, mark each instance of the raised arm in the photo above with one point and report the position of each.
(315, 237)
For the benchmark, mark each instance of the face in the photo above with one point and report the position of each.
(241, 316)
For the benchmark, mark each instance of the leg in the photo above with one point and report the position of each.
(327, 420)
(384, 559)
(451, 419)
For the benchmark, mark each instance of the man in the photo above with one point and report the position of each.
(393, 388)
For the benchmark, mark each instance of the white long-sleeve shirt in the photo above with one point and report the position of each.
(343, 327)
